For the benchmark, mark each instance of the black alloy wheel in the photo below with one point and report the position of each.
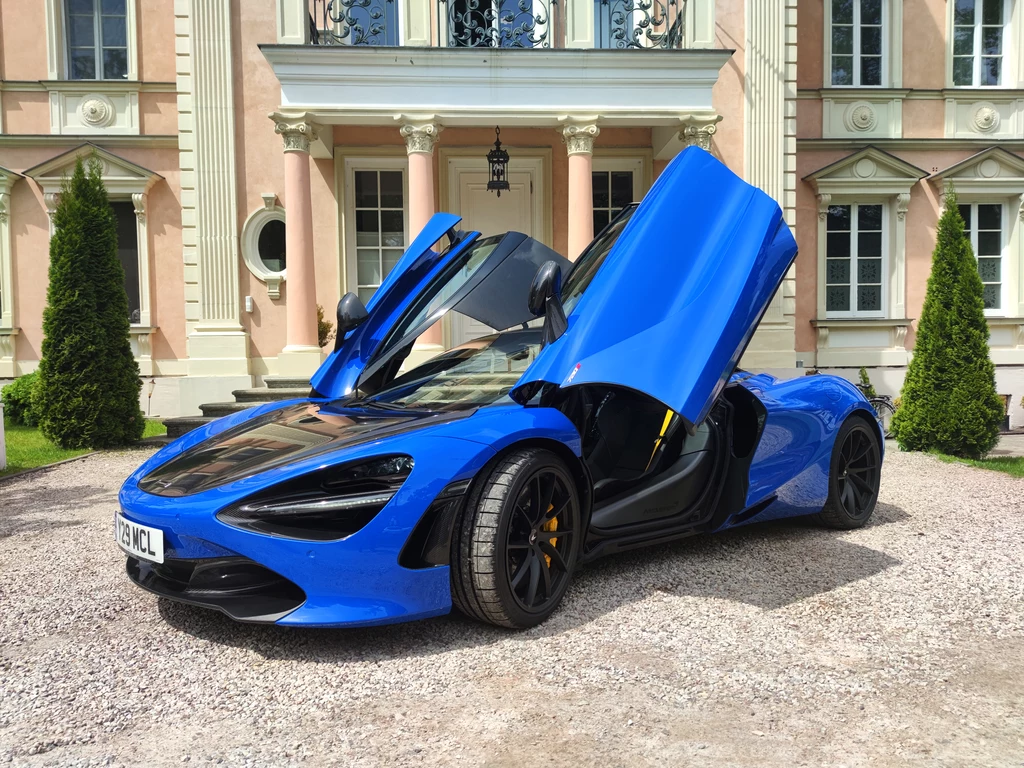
(515, 547)
(535, 542)
(855, 476)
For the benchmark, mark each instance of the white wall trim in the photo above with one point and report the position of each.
(372, 86)
(7, 297)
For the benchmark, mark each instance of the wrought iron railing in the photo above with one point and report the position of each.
(639, 23)
(498, 23)
(354, 22)
(501, 23)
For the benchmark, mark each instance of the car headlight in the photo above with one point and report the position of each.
(325, 505)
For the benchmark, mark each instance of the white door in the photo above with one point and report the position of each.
(488, 214)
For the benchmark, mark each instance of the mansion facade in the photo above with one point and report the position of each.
(266, 157)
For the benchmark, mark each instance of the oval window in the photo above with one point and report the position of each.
(271, 246)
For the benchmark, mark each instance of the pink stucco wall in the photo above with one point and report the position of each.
(22, 41)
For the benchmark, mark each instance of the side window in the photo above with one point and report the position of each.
(855, 261)
(857, 41)
(613, 191)
(978, 42)
(379, 224)
(128, 255)
(984, 224)
(96, 35)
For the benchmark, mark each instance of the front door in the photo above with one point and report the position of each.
(489, 214)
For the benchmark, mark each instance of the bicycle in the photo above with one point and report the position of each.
(885, 409)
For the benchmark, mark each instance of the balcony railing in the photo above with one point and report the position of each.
(501, 23)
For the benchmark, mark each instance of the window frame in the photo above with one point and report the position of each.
(350, 264)
(892, 33)
(856, 314)
(250, 245)
(57, 39)
(98, 46)
(1007, 52)
(1004, 243)
(636, 165)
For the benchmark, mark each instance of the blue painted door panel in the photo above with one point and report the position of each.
(677, 299)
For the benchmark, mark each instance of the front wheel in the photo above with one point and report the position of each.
(515, 547)
(855, 475)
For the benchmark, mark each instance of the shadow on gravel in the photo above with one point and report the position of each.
(26, 507)
(767, 566)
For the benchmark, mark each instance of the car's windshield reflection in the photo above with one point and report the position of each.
(480, 372)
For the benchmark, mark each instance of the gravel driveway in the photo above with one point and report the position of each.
(777, 645)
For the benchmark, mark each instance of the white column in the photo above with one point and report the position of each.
(218, 346)
(770, 155)
(7, 298)
(579, 136)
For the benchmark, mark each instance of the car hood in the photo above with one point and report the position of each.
(282, 436)
(675, 303)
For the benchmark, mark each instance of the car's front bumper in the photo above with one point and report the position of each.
(354, 581)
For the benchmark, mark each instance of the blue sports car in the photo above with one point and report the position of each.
(485, 476)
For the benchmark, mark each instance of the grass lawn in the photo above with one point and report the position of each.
(27, 448)
(1011, 465)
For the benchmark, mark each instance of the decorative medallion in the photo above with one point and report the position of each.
(985, 117)
(988, 168)
(859, 117)
(865, 168)
(96, 110)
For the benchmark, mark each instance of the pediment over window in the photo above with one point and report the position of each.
(870, 171)
(120, 176)
(993, 170)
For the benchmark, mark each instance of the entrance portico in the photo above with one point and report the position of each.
(420, 95)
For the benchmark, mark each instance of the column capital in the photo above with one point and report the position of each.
(578, 136)
(902, 204)
(420, 136)
(697, 129)
(297, 132)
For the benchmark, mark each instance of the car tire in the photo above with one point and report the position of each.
(854, 477)
(515, 546)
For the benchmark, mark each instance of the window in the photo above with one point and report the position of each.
(270, 246)
(855, 261)
(379, 226)
(128, 255)
(97, 39)
(498, 24)
(978, 42)
(613, 191)
(984, 226)
(857, 40)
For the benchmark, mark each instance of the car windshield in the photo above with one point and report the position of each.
(590, 260)
(481, 372)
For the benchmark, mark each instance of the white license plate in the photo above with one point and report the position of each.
(139, 540)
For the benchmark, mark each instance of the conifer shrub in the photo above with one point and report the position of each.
(865, 384)
(949, 401)
(88, 390)
(17, 398)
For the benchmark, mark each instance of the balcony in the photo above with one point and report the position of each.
(595, 24)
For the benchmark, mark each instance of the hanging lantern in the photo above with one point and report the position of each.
(497, 158)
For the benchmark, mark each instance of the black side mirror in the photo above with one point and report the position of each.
(545, 299)
(351, 313)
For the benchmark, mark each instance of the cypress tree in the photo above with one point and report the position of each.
(949, 401)
(88, 390)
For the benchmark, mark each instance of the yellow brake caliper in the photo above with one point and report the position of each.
(550, 525)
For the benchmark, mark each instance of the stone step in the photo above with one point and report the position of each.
(183, 424)
(286, 382)
(217, 410)
(266, 394)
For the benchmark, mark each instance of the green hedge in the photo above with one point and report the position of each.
(17, 397)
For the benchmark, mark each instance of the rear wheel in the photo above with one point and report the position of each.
(854, 477)
(515, 547)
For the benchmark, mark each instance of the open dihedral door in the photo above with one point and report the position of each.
(676, 300)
